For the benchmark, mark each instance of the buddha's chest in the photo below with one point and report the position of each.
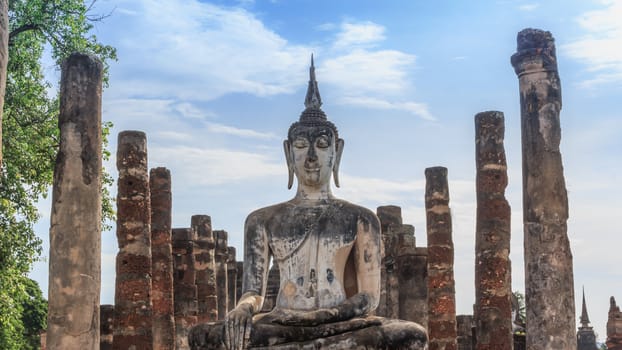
(311, 235)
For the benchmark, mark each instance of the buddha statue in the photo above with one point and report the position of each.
(328, 254)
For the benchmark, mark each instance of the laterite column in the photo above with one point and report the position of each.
(441, 286)
(493, 279)
(549, 282)
(205, 268)
(132, 310)
(162, 259)
(75, 230)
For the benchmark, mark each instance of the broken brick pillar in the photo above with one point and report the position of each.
(390, 221)
(614, 326)
(75, 222)
(231, 278)
(493, 283)
(132, 311)
(162, 259)
(184, 286)
(204, 266)
(238, 279)
(106, 324)
(464, 325)
(549, 282)
(221, 255)
(441, 285)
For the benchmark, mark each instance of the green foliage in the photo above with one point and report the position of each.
(30, 140)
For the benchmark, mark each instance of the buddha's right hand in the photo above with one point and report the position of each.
(238, 325)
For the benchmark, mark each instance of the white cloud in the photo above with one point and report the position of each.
(193, 50)
(359, 35)
(529, 7)
(229, 130)
(204, 167)
(418, 109)
(364, 71)
(601, 47)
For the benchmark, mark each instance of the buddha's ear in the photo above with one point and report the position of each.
(338, 151)
(289, 158)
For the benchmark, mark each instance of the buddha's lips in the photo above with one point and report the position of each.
(312, 169)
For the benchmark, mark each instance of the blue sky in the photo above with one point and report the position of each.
(215, 85)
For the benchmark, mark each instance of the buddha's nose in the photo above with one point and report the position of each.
(311, 154)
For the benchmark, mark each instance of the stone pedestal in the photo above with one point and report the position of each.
(493, 280)
(205, 269)
(441, 285)
(75, 230)
(184, 285)
(162, 259)
(549, 283)
(132, 311)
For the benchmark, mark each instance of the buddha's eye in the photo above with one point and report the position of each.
(301, 143)
(322, 142)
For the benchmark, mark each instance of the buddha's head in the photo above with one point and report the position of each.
(313, 147)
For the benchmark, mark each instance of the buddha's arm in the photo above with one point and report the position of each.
(367, 259)
(238, 322)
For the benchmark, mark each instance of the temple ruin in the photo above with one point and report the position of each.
(172, 279)
(614, 326)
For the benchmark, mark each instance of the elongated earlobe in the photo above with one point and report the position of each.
(338, 151)
(290, 163)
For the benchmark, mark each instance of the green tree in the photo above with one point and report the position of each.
(30, 137)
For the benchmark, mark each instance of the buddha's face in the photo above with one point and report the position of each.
(313, 153)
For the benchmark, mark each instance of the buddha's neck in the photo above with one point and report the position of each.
(308, 193)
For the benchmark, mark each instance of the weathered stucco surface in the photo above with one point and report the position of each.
(549, 282)
(74, 279)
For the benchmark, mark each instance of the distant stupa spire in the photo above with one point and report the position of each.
(313, 99)
(585, 320)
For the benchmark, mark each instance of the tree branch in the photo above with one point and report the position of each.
(23, 28)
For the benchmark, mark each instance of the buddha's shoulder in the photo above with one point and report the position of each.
(265, 213)
(345, 206)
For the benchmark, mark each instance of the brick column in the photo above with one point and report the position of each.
(184, 286)
(549, 282)
(132, 311)
(232, 272)
(205, 268)
(390, 221)
(464, 325)
(106, 327)
(238, 279)
(420, 290)
(493, 279)
(75, 230)
(406, 273)
(162, 259)
(441, 285)
(221, 255)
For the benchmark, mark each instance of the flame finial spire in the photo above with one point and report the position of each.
(313, 98)
(585, 320)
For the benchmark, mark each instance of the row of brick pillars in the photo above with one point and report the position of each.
(167, 279)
